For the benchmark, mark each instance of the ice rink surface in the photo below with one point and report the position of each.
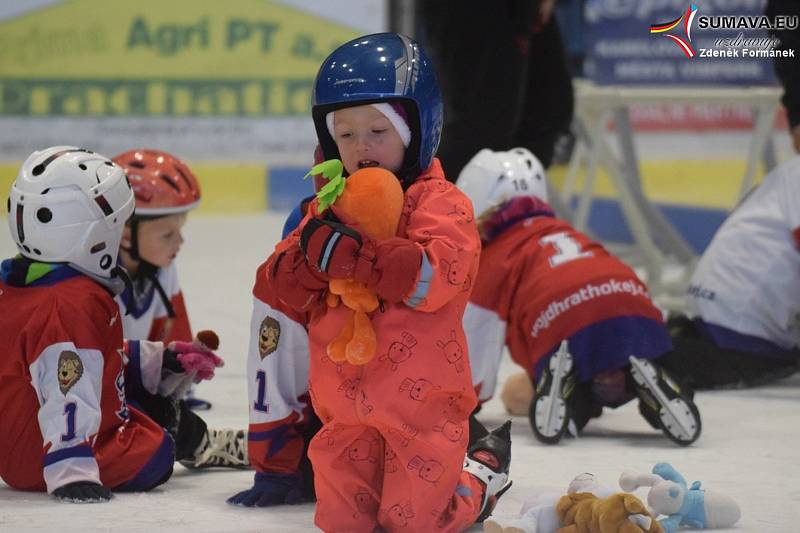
(749, 449)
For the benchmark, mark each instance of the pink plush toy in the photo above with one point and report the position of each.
(187, 362)
(198, 357)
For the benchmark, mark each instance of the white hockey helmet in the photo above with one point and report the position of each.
(69, 205)
(492, 178)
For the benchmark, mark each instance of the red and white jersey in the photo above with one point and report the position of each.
(541, 281)
(748, 279)
(63, 410)
(148, 319)
(277, 367)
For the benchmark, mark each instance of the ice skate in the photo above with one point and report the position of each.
(664, 404)
(488, 459)
(221, 447)
(549, 412)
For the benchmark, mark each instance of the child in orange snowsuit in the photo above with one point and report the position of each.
(391, 452)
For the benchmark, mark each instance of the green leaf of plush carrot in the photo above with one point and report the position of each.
(331, 170)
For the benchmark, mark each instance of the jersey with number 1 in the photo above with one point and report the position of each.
(541, 281)
(278, 370)
(63, 410)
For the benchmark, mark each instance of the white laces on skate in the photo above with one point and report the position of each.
(223, 447)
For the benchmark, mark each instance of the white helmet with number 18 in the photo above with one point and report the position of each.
(69, 205)
(492, 178)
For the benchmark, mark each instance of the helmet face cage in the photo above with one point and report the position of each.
(162, 183)
(493, 178)
(382, 67)
(69, 205)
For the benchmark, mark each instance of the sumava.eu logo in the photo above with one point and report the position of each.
(681, 25)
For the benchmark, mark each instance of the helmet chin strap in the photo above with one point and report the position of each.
(408, 174)
(117, 281)
(121, 275)
(147, 270)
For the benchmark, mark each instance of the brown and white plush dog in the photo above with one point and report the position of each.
(583, 512)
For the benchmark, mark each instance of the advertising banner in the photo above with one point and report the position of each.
(680, 42)
(217, 80)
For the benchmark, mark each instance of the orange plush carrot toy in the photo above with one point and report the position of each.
(373, 198)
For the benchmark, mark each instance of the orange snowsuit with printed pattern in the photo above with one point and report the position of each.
(391, 449)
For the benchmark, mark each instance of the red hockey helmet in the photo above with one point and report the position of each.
(162, 183)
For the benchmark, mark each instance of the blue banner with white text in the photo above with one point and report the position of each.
(680, 42)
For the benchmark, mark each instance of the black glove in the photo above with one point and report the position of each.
(174, 381)
(165, 410)
(82, 492)
(170, 362)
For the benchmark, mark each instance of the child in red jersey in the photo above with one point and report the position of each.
(64, 363)
(153, 308)
(574, 317)
(165, 190)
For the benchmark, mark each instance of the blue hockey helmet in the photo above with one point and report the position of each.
(378, 68)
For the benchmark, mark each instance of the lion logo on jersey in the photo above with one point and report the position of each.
(70, 370)
(269, 334)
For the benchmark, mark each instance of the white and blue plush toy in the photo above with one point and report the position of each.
(683, 506)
